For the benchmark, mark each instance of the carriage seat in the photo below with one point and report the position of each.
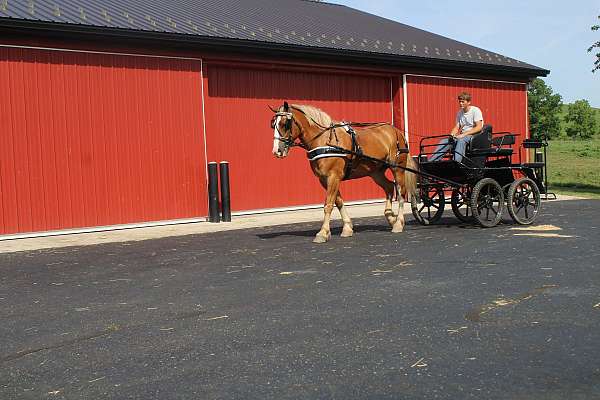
(481, 141)
(497, 146)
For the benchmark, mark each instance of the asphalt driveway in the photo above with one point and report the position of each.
(448, 312)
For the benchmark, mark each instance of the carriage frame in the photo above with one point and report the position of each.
(491, 176)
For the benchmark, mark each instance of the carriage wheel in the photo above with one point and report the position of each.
(523, 201)
(487, 201)
(460, 203)
(429, 208)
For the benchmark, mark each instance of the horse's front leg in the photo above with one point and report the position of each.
(398, 226)
(333, 184)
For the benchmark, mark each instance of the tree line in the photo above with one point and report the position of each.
(546, 117)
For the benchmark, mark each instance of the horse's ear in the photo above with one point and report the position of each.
(272, 109)
(286, 106)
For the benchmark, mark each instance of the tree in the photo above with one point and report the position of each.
(544, 108)
(594, 46)
(580, 117)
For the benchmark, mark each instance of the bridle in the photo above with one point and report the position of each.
(287, 139)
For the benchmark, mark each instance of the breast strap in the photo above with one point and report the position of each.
(324, 151)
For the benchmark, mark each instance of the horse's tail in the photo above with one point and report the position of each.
(410, 178)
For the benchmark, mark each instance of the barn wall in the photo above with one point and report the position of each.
(98, 139)
(130, 135)
(238, 129)
(432, 105)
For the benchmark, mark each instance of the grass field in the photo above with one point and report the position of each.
(574, 167)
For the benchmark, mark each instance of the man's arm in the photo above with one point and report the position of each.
(455, 130)
(474, 130)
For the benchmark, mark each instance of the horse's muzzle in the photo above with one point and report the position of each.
(280, 154)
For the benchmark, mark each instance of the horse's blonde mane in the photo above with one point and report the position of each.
(316, 115)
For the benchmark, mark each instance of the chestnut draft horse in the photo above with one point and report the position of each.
(337, 152)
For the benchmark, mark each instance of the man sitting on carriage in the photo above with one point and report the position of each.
(469, 122)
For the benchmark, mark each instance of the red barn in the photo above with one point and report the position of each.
(110, 111)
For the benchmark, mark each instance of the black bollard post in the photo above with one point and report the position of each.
(213, 193)
(225, 196)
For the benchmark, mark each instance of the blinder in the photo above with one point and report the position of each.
(287, 127)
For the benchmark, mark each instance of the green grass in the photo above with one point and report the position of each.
(573, 167)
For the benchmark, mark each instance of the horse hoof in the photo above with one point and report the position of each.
(398, 229)
(347, 233)
(320, 239)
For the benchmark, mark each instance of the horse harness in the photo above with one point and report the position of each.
(355, 153)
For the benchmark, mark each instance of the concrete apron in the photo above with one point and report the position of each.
(238, 222)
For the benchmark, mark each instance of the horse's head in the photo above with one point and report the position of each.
(285, 130)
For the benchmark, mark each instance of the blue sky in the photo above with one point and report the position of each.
(551, 35)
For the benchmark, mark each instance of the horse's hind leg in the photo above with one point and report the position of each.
(347, 230)
(398, 226)
(388, 188)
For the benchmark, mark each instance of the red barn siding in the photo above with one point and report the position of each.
(398, 102)
(432, 105)
(95, 139)
(237, 126)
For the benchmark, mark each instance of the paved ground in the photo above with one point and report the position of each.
(449, 312)
(153, 232)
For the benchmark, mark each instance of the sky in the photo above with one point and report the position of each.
(553, 35)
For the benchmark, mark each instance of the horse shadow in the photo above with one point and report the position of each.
(335, 231)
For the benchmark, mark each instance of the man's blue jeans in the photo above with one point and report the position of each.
(446, 144)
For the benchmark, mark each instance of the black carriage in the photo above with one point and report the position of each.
(491, 174)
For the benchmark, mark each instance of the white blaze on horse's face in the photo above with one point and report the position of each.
(278, 147)
(282, 147)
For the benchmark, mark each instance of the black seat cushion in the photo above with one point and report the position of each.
(482, 140)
